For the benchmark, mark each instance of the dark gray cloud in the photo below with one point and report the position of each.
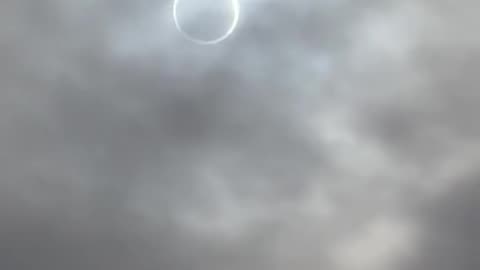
(449, 237)
(321, 134)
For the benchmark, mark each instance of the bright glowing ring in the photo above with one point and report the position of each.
(236, 16)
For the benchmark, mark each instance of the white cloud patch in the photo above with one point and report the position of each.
(377, 245)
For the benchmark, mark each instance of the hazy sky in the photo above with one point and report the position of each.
(323, 134)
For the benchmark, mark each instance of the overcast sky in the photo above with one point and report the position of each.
(322, 134)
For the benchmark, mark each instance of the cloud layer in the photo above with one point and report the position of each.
(322, 134)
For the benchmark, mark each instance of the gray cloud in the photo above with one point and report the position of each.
(325, 134)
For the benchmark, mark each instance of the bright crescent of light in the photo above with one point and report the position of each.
(236, 16)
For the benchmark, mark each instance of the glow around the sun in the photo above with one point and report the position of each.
(235, 5)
